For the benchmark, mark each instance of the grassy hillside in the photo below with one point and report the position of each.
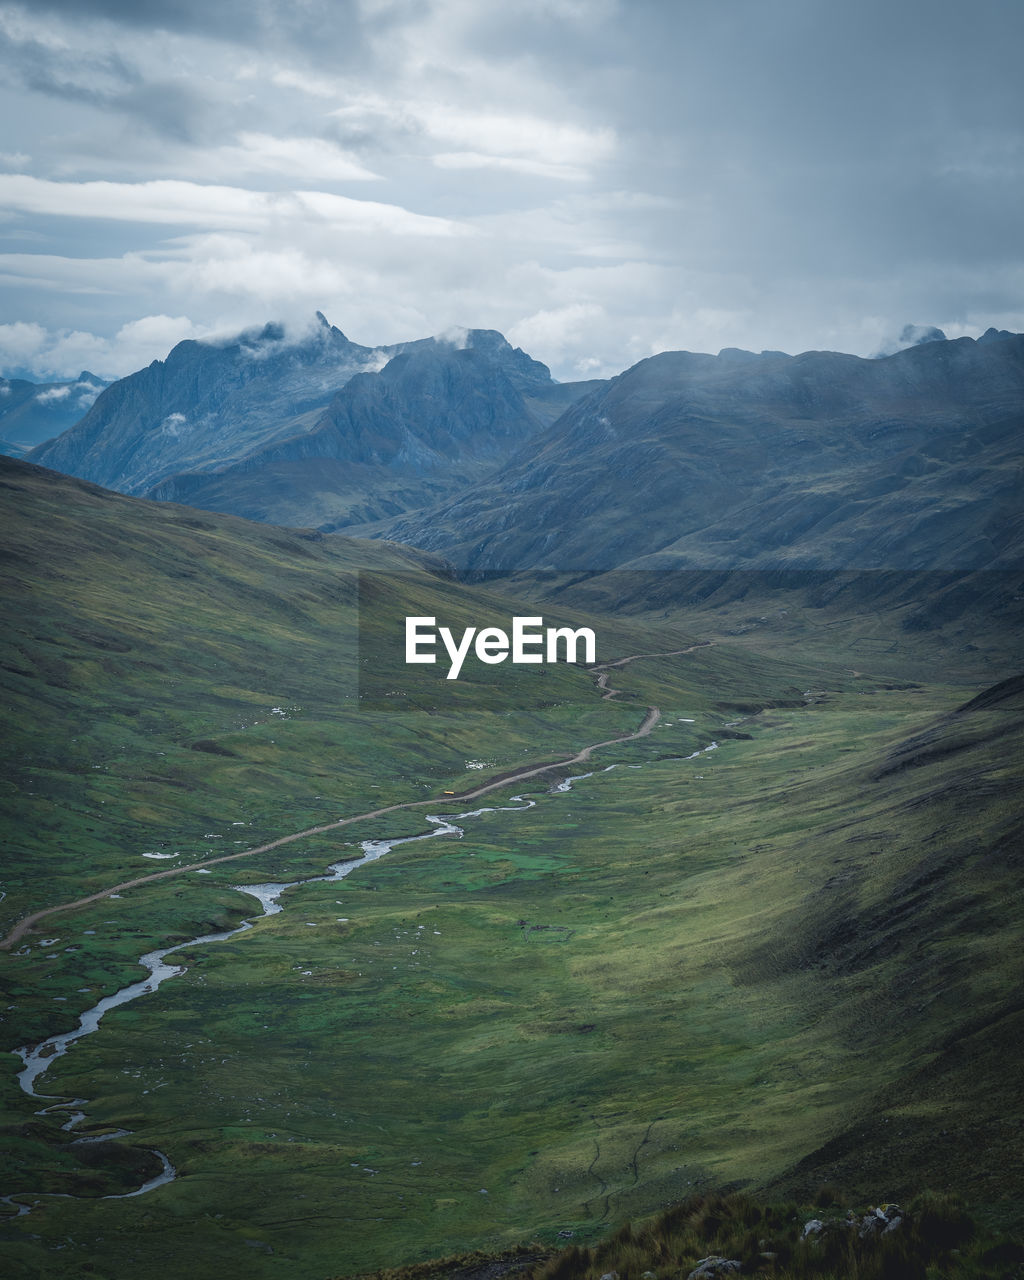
(964, 626)
(168, 672)
(789, 959)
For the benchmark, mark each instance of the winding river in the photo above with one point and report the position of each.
(38, 1060)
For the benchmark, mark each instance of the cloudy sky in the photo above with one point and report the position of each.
(598, 179)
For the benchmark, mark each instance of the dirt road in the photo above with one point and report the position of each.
(502, 780)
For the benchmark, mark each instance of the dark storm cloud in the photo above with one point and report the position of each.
(233, 19)
(819, 134)
(601, 178)
(79, 77)
(312, 23)
(108, 82)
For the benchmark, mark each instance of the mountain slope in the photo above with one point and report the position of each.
(206, 404)
(317, 431)
(437, 416)
(936, 928)
(132, 633)
(813, 461)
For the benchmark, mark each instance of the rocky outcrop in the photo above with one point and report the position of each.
(713, 1267)
(878, 1221)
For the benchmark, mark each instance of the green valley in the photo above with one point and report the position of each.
(774, 946)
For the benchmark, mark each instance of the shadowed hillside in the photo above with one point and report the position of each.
(817, 461)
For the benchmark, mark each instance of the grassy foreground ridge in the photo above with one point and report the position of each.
(733, 1233)
(787, 960)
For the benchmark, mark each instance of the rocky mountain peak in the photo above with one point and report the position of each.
(209, 402)
(915, 335)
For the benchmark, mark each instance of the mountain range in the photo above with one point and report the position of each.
(207, 404)
(316, 431)
(763, 461)
(465, 446)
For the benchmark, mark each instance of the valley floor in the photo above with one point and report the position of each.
(771, 963)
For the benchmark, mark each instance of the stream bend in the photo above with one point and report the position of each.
(39, 1059)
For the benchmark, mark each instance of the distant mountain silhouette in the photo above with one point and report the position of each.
(33, 412)
(207, 404)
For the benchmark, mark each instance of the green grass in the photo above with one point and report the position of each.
(932, 1237)
(684, 1034)
(790, 960)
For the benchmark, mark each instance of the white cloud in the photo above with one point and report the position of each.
(173, 424)
(233, 280)
(305, 81)
(556, 331)
(292, 157)
(156, 332)
(63, 353)
(67, 276)
(472, 138)
(176, 202)
(54, 394)
(456, 336)
(376, 361)
(533, 168)
(83, 393)
(21, 343)
(531, 137)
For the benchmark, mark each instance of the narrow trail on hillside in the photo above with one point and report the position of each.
(602, 680)
(502, 780)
